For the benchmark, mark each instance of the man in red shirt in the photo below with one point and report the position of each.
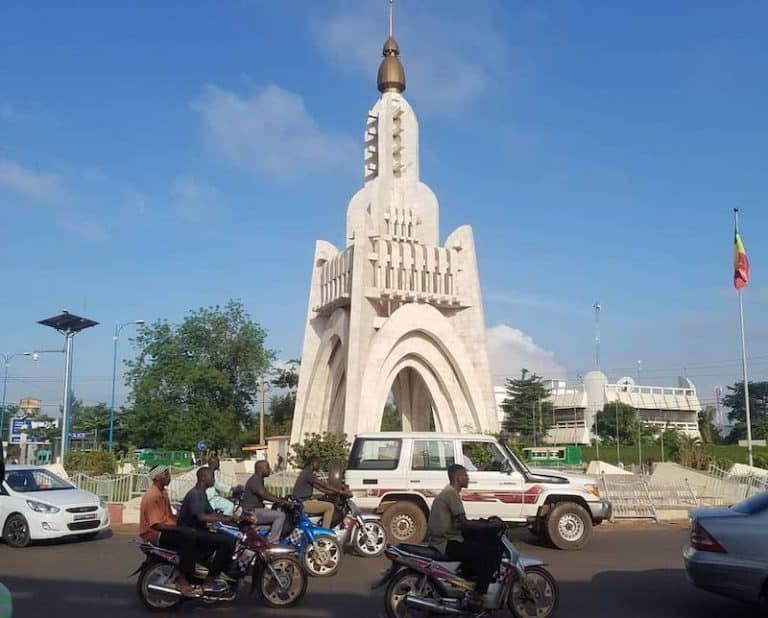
(157, 524)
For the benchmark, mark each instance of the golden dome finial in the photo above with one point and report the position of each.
(391, 76)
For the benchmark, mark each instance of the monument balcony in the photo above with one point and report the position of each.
(335, 282)
(411, 272)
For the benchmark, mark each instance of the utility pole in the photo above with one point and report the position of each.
(596, 307)
(639, 421)
(263, 408)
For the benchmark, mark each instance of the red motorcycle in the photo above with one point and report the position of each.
(275, 572)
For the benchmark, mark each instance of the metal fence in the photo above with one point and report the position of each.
(724, 488)
(112, 487)
(629, 495)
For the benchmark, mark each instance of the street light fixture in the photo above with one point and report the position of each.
(115, 338)
(68, 324)
(6, 358)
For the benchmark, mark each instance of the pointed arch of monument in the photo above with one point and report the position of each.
(324, 399)
(420, 337)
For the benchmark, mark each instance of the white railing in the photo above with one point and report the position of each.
(112, 487)
(413, 270)
(336, 278)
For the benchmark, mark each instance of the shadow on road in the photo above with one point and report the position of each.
(660, 593)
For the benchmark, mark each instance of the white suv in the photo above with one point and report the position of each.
(399, 474)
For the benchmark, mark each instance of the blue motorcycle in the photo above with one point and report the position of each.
(317, 547)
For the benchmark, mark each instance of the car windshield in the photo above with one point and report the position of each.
(515, 459)
(35, 479)
(753, 505)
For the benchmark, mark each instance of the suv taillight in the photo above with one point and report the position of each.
(703, 540)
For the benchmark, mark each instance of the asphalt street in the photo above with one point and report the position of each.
(626, 571)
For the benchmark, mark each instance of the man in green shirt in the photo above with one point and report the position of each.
(447, 526)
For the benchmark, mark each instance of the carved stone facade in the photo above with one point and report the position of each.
(394, 311)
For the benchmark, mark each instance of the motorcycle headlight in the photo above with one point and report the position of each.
(593, 489)
(42, 507)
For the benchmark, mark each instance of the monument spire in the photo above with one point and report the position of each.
(391, 77)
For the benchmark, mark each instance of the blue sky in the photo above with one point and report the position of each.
(159, 157)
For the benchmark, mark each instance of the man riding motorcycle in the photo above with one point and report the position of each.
(448, 525)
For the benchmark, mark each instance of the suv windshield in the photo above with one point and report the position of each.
(36, 479)
(521, 467)
(375, 454)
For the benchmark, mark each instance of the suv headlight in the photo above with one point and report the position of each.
(103, 503)
(593, 489)
(42, 507)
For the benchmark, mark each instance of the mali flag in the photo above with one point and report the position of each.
(740, 263)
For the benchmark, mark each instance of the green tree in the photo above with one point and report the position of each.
(197, 380)
(282, 406)
(325, 447)
(391, 420)
(627, 419)
(527, 409)
(758, 409)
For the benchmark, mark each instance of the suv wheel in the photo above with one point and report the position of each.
(569, 526)
(405, 523)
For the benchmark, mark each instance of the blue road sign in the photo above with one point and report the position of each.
(201, 446)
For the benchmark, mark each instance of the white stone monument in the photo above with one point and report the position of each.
(394, 311)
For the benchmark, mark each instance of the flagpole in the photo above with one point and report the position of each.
(744, 357)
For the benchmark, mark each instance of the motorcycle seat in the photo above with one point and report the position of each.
(423, 551)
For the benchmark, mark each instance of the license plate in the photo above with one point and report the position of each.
(86, 516)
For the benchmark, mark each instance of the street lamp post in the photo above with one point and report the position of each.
(115, 338)
(6, 358)
(68, 325)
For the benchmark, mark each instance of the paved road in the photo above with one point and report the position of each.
(626, 572)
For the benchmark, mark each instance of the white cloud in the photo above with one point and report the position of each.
(195, 201)
(271, 132)
(34, 184)
(449, 61)
(511, 350)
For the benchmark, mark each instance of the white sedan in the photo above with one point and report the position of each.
(35, 504)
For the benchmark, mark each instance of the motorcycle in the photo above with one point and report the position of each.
(364, 533)
(276, 574)
(318, 548)
(421, 581)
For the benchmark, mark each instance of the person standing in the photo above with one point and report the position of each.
(253, 501)
(196, 512)
(158, 525)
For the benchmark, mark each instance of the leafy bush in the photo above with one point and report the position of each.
(91, 462)
(325, 446)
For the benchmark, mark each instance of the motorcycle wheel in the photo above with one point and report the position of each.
(288, 588)
(160, 574)
(403, 583)
(372, 541)
(541, 598)
(323, 558)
